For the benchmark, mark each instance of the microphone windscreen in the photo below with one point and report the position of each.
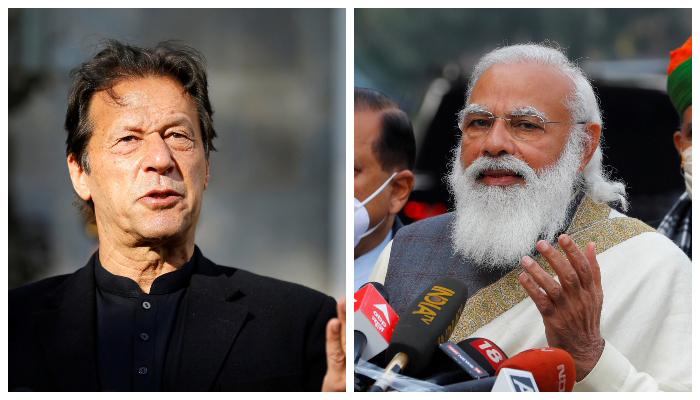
(374, 319)
(553, 368)
(485, 352)
(381, 289)
(427, 322)
(452, 364)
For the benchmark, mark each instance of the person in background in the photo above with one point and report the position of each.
(385, 151)
(677, 224)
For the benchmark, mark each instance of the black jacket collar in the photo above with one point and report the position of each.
(67, 328)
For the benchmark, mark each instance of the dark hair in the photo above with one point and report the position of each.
(396, 145)
(117, 62)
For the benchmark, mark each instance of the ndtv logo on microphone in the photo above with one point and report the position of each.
(562, 378)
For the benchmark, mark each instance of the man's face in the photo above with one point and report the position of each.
(148, 169)
(510, 192)
(502, 89)
(684, 137)
(369, 175)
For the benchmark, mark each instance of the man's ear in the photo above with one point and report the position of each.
(401, 187)
(79, 178)
(677, 141)
(593, 131)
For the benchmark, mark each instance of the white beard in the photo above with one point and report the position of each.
(496, 226)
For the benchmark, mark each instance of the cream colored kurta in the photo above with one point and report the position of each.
(645, 321)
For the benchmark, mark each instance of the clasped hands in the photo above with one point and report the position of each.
(571, 307)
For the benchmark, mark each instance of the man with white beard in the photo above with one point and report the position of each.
(530, 191)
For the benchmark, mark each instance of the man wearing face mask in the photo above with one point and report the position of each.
(385, 151)
(677, 224)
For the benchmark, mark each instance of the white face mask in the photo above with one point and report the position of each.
(362, 216)
(686, 165)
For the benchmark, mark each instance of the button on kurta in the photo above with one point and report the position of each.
(139, 331)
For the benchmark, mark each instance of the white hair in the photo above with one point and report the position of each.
(495, 226)
(582, 103)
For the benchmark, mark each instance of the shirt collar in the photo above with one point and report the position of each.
(364, 264)
(123, 286)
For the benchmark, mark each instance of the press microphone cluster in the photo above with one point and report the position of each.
(545, 369)
(427, 322)
(473, 365)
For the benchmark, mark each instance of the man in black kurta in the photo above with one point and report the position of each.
(149, 312)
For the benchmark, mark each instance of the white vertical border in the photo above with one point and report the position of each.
(338, 117)
(349, 186)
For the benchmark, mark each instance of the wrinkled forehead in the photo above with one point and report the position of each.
(131, 99)
(539, 75)
(135, 92)
(523, 88)
(143, 100)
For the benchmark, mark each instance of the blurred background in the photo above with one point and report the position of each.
(275, 204)
(423, 58)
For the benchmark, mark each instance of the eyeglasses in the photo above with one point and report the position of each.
(523, 127)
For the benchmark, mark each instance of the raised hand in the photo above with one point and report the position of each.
(571, 307)
(334, 381)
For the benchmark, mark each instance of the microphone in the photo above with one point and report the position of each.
(427, 322)
(550, 370)
(485, 352)
(478, 358)
(554, 369)
(374, 321)
(508, 380)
